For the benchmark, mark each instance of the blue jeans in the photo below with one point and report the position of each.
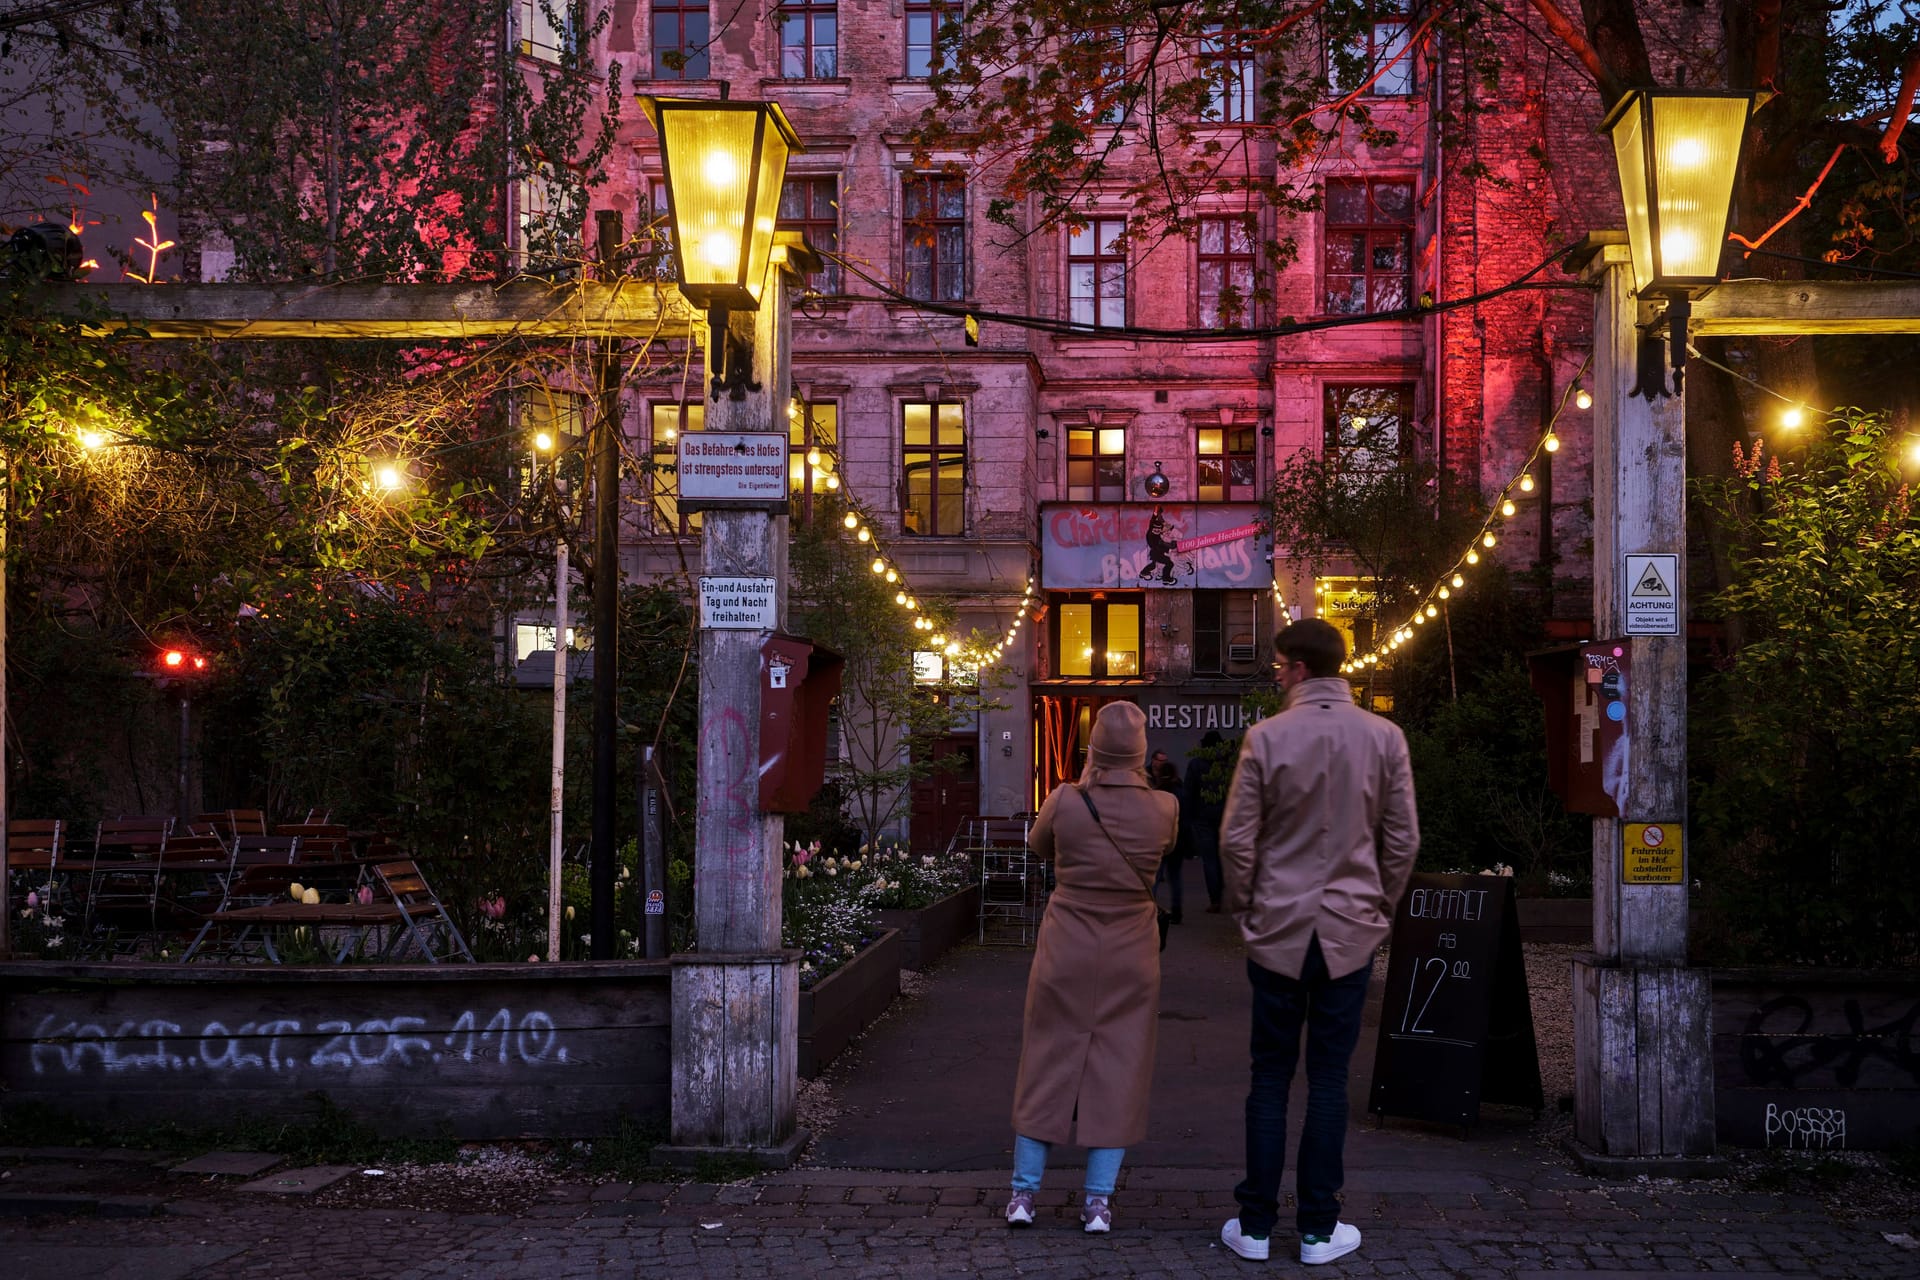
(1330, 1008)
(1030, 1165)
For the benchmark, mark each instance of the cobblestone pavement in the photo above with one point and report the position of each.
(842, 1223)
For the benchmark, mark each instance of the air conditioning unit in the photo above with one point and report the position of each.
(1240, 653)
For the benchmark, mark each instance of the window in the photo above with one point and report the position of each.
(809, 40)
(1097, 273)
(656, 230)
(1225, 272)
(811, 206)
(1377, 56)
(679, 39)
(812, 430)
(1229, 68)
(1096, 635)
(1222, 631)
(935, 229)
(1369, 245)
(548, 218)
(528, 637)
(669, 420)
(934, 503)
(547, 28)
(1103, 55)
(561, 415)
(925, 20)
(1368, 428)
(1224, 464)
(1096, 464)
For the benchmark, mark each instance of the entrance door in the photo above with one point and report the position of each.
(948, 795)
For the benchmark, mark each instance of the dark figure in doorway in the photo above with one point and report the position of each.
(1159, 550)
(1165, 776)
(1200, 810)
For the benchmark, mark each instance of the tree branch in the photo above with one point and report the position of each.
(1558, 23)
(1902, 108)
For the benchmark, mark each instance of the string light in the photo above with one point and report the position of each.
(1551, 443)
(1507, 508)
(1526, 482)
(850, 520)
(1792, 417)
(1583, 398)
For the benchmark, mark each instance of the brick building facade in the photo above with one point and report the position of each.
(1040, 453)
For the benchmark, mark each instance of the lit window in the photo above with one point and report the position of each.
(811, 206)
(812, 430)
(1225, 272)
(1097, 273)
(809, 39)
(1096, 464)
(679, 39)
(1369, 245)
(547, 28)
(934, 228)
(934, 503)
(531, 637)
(1224, 464)
(1096, 636)
(669, 420)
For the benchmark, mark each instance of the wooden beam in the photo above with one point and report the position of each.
(525, 308)
(1776, 307)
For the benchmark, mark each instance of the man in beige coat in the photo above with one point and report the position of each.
(1317, 845)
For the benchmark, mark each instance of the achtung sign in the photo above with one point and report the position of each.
(1652, 605)
(1653, 853)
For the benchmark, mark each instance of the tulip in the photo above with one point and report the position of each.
(364, 895)
(297, 891)
(310, 898)
(33, 899)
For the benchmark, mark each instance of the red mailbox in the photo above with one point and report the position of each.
(798, 682)
(1584, 689)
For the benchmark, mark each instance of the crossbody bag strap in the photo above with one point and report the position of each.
(1144, 882)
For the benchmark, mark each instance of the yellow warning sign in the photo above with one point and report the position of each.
(1653, 853)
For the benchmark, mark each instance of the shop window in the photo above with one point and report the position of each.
(1097, 273)
(809, 39)
(1224, 464)
(933, 502)
(1368, 427)
(811, 206)
(679, 39)
(813, 432)
(1224, 272)
(934, 234)
(1096, 464)
(1375, 59)
(1369, 256)
(668, 421)
(1096, 635)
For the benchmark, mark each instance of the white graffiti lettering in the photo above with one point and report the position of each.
(1807, 1128)
(75, 1048)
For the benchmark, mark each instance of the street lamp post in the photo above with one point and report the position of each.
(735, 999)
(1643, 1083)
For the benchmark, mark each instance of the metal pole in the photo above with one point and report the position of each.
(606, 608)
(186, 713)
(562, 673)
(6, 872)
(653, 852)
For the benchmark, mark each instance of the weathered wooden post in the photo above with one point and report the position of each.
(1643, 1083)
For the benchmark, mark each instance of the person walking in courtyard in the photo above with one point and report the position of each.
(1093, 994)
(1317, 846)
(1163, 776)
(1200, 813)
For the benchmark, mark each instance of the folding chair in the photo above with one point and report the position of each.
(421, 912)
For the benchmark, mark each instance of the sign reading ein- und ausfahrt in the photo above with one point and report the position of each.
(1652, 600)
(719, 469)
(737, 604)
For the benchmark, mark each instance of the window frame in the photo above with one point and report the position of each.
(1231, 434)
(1371, 232)
(808, 12)
(1336, 399)
(1233, 95)
(936, 13)
(935, 456)
(828, 443)
(664, 486)
(1096, 232)
(1098, 488)
(698, 65)
(1100, 630)
(532, 23)
(1388, 16)
(1209, 317)
(828, 280)
(936, 267)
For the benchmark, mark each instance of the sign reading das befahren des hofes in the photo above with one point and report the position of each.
(732, 468)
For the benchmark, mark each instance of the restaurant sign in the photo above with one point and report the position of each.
(1209, 546)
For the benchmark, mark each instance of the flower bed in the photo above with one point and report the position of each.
(929, 932)
(840, 1005)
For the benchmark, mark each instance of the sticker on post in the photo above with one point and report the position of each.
(1653, 853)
(656, 903)
(1652, 604)
(737, 604)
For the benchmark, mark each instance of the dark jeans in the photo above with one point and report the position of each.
(1203, 842)
(1330, 1008)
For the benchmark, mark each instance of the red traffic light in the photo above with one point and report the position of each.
(181, 661)
(173, 658)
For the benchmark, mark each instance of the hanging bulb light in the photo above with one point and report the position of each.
(1487, 539)
(850, 520)
(912, 603)
(1526, 482)
(900, 597)
(1792, 416)
(892, 576)
(1551, 444)
(939, 642)
(1432, 612)
(1583, 398)
(813, 457)
(878, 565)
(1507, 507)
(833, 482)
(865, 535)
(1445, 593)
(1459, 580)
(1418, 617)
(1473, 557)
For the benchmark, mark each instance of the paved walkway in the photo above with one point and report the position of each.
(910, 1178)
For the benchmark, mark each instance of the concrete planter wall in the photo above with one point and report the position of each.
(477, 1051)
(1816, 1059)
(845, 1002)
(929, 932)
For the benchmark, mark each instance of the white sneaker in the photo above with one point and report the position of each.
(1020, 1209)
(1096, 1215)
(1316, 1249)
(1246, 1246)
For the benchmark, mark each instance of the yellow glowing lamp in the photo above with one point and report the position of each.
(1473, 557)
(1792, 417)
(1583, 398)
(899, 597)
(543, 441)
(92, 440)
(1487, 539)
(878, 565)
(1678, 151)
(850, 520)
(724, 162)
(1507, 508)
(865, 535)
(1526, 482)
(389, 477)
(892, 576)
(1459, 580)
(1551, 443)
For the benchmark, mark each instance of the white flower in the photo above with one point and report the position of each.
(832, 870)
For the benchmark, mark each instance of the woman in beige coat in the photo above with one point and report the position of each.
(1093, 995)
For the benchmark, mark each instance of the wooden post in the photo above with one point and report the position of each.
(1643, 1082)
(736, 1000)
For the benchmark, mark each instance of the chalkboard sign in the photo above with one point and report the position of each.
(1456, 1028)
